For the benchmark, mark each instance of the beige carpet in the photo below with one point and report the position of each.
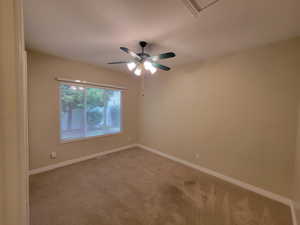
(135, 187)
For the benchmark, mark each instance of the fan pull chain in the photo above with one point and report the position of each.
(143, 85)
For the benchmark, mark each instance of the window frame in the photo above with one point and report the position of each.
(62, 141)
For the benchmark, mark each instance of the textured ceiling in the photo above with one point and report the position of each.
(93, 30)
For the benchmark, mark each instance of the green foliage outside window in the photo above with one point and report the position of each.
(72, 97)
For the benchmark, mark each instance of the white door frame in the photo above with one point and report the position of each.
(14, 194)
(23, 112)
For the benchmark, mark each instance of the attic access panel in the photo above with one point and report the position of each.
(196, 6)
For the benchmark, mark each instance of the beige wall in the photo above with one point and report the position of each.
(237, 113)
(44, 109)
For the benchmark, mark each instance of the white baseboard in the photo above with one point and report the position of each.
(72, 161)
(231, 180)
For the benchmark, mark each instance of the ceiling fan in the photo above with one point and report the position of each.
(144, 60)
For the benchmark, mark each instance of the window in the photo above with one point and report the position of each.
(88, 111)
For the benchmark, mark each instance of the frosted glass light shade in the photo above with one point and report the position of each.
(131, 66)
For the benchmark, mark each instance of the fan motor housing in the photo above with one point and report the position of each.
(143, 44)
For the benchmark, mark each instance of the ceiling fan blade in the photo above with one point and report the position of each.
(120, 62)
(159, 66)
(163, 56)
(133, 54)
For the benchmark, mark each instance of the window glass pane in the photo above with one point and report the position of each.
(72, 111)
(103, 111)
(87, 111)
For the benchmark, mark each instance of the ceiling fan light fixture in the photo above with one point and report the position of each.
(147, 65)
(153, 69)
(138, 71)
(131, 66)
(155, 58)
(144, 61)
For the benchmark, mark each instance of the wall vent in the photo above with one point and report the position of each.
(196, 6)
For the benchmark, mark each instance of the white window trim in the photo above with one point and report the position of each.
(62, 141)
(83, 82)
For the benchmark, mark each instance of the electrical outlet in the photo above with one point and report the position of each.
(53, 155)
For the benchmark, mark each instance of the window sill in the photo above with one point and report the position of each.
(88, 138)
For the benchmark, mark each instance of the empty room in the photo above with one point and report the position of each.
(174, 112)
